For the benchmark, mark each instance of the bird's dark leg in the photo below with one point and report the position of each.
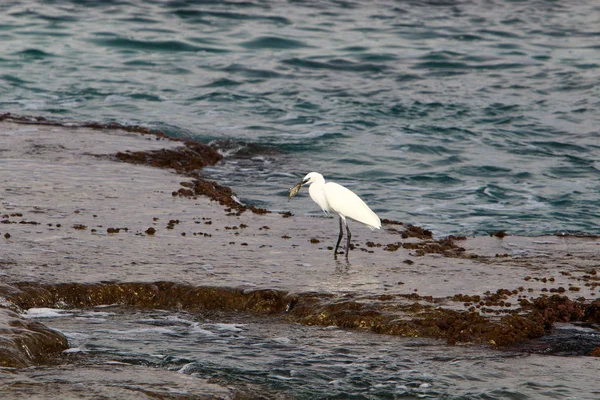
(339, 239)
(348, 236)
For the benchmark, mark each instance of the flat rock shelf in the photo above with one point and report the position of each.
(95, 216)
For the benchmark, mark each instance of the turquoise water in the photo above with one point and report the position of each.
(460, 116)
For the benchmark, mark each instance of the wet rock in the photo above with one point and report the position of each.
(386, 221)
(39, 120)
(116, 230)
(566, 340)
(123, 381)
(188, 161)
(420, 316)
(487, 312)
(392, 246)
(194, 156)
(172, 223)
(24, 343)
(221, 194)
(445, 246)
(460, 237)
(413, 231)
(166, 295)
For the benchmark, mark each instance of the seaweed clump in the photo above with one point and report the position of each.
(194, 156)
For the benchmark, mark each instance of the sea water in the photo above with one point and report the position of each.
(310, 362)
(460, 116)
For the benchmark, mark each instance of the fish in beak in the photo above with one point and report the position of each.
(295, 189)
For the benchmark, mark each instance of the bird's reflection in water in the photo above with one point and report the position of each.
(342, 267)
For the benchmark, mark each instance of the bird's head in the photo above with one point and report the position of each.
(311, 177)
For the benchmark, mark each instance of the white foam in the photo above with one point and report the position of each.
(185, 368)
(229, 327)
(161, 330)
(94, 320)
(197, 329)
(115, 98)
(75, 335)
(74, 350)
(97, 314)
(46, 313)
(5, 303)
(282, 378)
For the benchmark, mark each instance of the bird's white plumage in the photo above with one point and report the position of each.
(347, 204)
(317, 184)
(333, 197)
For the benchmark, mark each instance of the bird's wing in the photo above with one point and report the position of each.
(346, 203)
(317, 193)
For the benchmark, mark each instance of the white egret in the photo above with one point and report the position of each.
(333, 197)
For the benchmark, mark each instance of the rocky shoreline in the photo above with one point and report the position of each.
(79, 228)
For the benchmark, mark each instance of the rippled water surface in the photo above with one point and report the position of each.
(315, 362)
(461, 116)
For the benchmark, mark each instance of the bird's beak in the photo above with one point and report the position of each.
(295, 189)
